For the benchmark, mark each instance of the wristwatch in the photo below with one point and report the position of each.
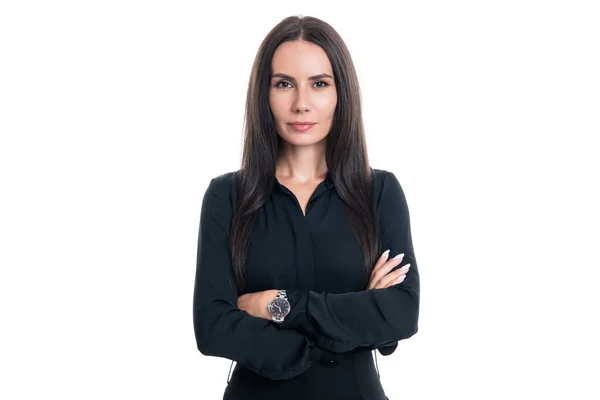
(279, 307)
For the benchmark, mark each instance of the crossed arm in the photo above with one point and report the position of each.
(319, 322)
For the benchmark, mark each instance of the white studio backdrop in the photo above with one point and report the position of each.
(115, 115)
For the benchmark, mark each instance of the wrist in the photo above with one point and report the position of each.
(269, 297)
(279, 306)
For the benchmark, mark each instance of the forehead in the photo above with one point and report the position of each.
(298, 58)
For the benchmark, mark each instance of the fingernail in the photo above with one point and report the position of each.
(385, 253)
(399, 256)
(406, 267)
(401, 278)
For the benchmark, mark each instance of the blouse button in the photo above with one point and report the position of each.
(330, 363)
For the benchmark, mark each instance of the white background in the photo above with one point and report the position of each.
(115, 115)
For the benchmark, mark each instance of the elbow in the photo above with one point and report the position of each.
(207, 343)
(413, 325)
(211, 323)
(203, 344)
(203, 341)
(409, 318)
(409, 326)
(204, 332)
(412, 329)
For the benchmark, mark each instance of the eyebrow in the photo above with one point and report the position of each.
(312, 78)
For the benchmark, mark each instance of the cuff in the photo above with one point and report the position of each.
(387, 350)
(298, 315)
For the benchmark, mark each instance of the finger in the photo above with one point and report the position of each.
(381, 267)
(386, 268)
(396, 281)
(380, 261)
(393, 278)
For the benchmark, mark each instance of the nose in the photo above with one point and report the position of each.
(300, 103)
(302, 107)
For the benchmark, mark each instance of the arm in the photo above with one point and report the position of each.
(221, 328)
(375, 318)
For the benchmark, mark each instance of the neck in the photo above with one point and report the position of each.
(302, 163)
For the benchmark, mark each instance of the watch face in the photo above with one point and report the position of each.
(280, 307)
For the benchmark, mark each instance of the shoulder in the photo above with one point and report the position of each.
(387, 189)
(221, 190)
(379, 175)
(223, 183)
(383, 179)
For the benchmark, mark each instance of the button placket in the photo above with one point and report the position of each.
(319, 190)
(305, 264)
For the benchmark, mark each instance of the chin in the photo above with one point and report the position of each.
(303, 139)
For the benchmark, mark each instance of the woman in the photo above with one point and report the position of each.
(292, 280)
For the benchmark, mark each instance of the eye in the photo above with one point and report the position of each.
(277, 84)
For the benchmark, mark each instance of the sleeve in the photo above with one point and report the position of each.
(221, 328)
(374, 318)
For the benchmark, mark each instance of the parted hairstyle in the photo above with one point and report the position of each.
(346, 151)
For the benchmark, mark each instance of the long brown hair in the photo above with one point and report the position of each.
(346, 153)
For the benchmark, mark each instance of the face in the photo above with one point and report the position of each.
(302, 88)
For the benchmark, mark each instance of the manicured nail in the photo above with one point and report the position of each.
(399, 256)
(406, 267)
(401, 278)
(385, 253)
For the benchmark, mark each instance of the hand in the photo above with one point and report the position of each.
(255, 304)
(380, 278)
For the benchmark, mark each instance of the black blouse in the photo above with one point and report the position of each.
(319, 261)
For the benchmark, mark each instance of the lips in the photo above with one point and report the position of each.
(302, 126)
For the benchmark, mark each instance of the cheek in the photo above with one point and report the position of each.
(328, 104)
(332, 109)
(333, 103)
(276, 107)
